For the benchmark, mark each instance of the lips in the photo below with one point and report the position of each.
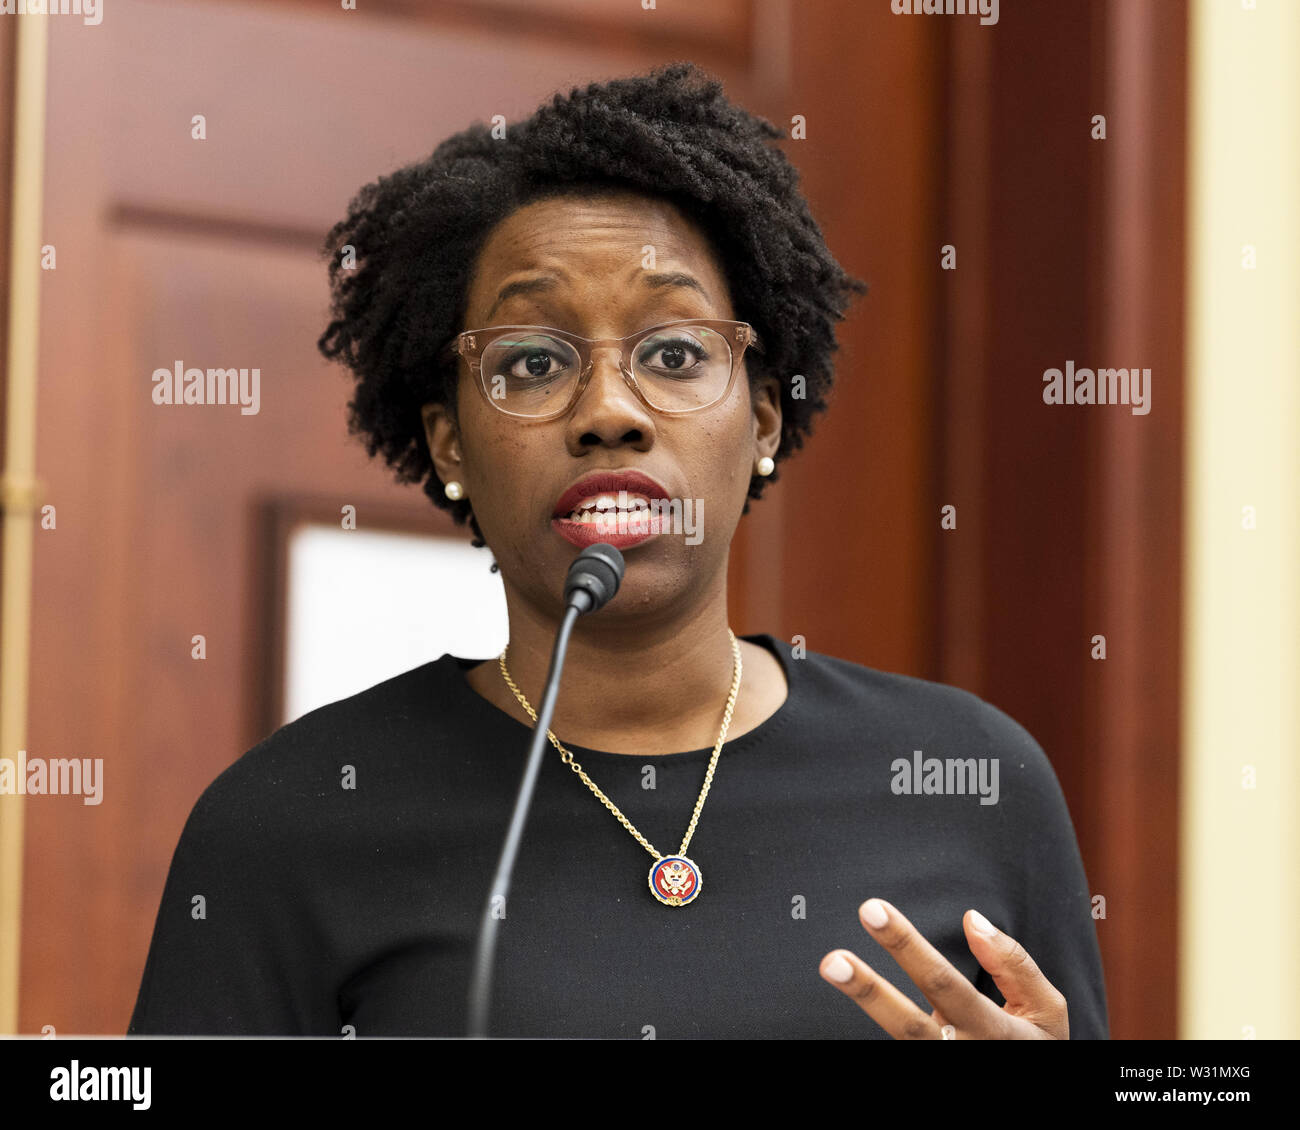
(608, 482)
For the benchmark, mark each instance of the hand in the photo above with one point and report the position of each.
(1035, 1010)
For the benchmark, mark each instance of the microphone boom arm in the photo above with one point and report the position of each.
(593, 579)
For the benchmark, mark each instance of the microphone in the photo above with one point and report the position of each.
(593, 579)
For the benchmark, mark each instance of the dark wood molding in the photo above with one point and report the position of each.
(1133, 554)
(688, 31)
(182, 223)
(962, 375)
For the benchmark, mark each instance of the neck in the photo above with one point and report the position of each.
(630, 684)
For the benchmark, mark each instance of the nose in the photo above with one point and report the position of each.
(608, 412)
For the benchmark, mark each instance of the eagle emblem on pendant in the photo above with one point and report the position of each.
(675, 880)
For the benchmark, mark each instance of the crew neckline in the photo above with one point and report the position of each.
(459, 665)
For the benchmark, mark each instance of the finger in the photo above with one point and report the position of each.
(1027, 991)
(943, 983)
(877, 997)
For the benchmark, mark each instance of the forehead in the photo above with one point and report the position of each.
(590, 244)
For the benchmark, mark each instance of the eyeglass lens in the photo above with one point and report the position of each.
(532, 373)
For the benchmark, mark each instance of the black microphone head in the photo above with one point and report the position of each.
(597, 571)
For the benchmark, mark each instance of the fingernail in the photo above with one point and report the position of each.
(982, 925)
(838, 969)
(873, 913)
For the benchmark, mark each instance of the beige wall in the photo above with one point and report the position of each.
(1239, 913)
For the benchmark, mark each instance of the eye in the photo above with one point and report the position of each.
(677, 354)
(529, 359)
(532, 365)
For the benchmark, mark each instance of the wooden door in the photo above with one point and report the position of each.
(204, 252)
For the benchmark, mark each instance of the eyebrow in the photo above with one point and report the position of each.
(657, 280)
(521, 286)
(660, 281)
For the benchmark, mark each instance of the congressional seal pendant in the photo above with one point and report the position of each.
(675, 880)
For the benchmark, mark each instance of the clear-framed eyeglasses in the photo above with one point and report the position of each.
(539, 372)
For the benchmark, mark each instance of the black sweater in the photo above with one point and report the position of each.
(325, 906)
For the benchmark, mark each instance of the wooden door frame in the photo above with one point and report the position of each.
(1119, 737)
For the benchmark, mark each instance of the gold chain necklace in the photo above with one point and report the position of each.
(674, 880)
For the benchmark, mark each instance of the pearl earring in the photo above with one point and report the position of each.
(454, 490)
(765, 465)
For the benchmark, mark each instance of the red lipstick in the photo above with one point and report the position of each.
(620, 527)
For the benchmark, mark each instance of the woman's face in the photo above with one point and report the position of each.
(586, 256)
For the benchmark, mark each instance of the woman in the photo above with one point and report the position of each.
(479, 300)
